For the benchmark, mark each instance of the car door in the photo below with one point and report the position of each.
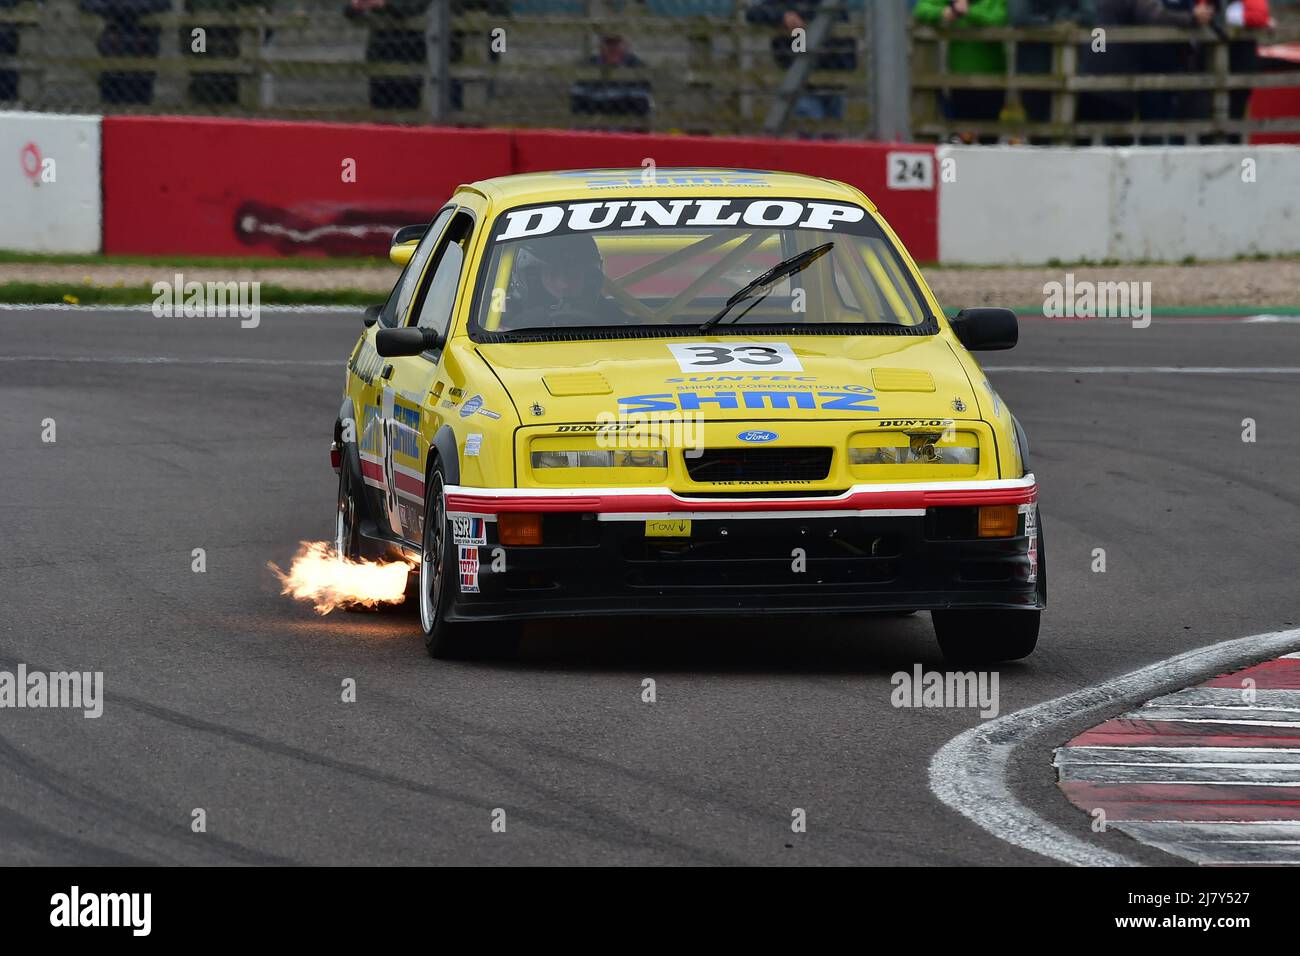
(370, 374)
(418, 394)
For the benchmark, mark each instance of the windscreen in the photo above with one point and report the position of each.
(667, 263)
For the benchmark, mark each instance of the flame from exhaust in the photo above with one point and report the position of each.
(318, 574)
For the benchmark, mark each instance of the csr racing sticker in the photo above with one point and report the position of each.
(710, 356)
(468, 569)
(467, 529)
(473, 445)
(529, 221)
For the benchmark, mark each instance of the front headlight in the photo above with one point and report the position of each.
(926, 454)
(600, 458)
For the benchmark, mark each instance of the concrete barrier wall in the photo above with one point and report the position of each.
(49, 182)
(185, 185)
(1017, 205)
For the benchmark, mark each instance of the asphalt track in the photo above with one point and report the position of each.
(224, 695)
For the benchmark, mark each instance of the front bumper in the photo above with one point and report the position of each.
(872, 548)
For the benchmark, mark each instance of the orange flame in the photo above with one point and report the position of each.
(319, 575)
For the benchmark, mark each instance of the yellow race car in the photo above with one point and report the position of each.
(683, 391)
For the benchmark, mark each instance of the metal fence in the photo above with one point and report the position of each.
(777, 67)
(708, 66)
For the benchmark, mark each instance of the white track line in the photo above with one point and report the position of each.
(969, 773)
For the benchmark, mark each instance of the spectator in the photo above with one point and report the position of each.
(1122, 59)
(1243, 55)
(967, 57)
(610, 96)
(835, 53)
(388, 42)
(125, 36)
(9, 42)
(1034, 58)
(221, 42)
(614, 51)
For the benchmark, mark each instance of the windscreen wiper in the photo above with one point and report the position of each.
(763, 284)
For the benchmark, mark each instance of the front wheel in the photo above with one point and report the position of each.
(988, 636)
(439, 574)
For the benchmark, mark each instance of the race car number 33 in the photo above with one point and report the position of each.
(767, 356)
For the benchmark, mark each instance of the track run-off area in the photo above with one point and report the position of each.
(221, 694)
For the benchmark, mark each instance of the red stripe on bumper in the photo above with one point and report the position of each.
(653, 503)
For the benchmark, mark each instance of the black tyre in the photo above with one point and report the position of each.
(347, 542)
(438, 577)
(989, 636)
(986, 636)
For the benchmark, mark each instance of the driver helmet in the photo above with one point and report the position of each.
(555, 269)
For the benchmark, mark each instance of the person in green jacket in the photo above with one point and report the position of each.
(969, 56)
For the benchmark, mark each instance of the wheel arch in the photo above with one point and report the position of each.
(443, 448)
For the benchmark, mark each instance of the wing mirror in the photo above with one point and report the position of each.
(986, 329)
(408, 341)
(371, 315)
(404, 242)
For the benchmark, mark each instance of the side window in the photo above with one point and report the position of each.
(400, 297)
(438, 299)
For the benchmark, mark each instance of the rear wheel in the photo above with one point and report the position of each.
(439, 574)
(347, 542)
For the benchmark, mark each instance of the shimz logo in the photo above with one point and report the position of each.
(103, 909)
(691, 213)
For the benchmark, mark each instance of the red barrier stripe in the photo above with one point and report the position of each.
(257, 186)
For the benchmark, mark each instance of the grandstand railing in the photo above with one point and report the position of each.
(1205, 104)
